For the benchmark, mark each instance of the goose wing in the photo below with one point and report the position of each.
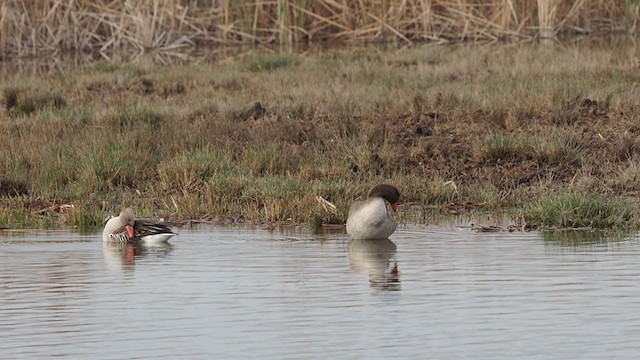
(143, 228)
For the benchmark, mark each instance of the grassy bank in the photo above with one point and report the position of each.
(454, 128)
(33, 27)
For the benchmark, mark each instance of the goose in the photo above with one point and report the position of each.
(125, 228)
(370, 219)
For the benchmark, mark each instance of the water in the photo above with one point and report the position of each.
(444, 293)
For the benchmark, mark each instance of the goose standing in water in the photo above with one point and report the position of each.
(125, 228)
(370, 219)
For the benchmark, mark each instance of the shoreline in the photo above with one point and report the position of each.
(258, 137)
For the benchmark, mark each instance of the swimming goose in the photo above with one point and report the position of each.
(125, 228)
(370, 219)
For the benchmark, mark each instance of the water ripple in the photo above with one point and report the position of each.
(239, 293)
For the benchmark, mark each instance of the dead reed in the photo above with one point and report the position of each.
(34, 27)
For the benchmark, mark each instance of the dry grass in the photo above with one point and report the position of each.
(453, 127)
(168, 28)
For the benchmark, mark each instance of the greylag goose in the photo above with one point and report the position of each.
(125, 228)
(370, 219)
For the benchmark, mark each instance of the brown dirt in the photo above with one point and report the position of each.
(431, 144)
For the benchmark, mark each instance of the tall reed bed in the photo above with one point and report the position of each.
(31, 27)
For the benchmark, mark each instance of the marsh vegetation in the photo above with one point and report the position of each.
(36, 27)
(257, 137)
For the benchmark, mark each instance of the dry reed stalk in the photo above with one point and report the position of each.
(571, 14)
(227, 16)
(4, 13)
(546, 18)
(284, 37)
(40, 26)
(507, 14)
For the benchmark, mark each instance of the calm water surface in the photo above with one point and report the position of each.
(443, 293)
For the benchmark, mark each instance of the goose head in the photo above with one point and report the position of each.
(127, 219)
(387, 192)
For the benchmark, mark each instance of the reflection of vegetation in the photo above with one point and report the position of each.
(579, 238)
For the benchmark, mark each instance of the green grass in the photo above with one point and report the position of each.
(502, 147)
(551, 146)
(270, 62)
(28, 100)
(557, 146)
(85, 218)
(507, 127)
(581, 210)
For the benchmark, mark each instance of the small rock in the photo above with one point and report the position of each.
(589, 103)
(257, 110)
(423, 131)
(353, 167)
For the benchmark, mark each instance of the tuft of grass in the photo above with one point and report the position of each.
(10, 188)
(270, 62)
(270, 159)
(10, 97)
(26, 101)
(16, 215)
(131, 117)
(435, 191)
(557, 147)
(319, 218)
(581, 210)
(275, 200)
(487, 195)
(566, 107)
(448, 101)
(190, 170)
(65, 118)
(627, 177)
(108, 166)
(628, 146)
(85, 218)
(552, 148)
(127, 69)
(502, 147)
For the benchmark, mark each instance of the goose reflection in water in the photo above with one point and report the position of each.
(121, 257)
(373, 257)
